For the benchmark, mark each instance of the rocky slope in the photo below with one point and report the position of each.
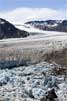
(50, 25)
(7, 30)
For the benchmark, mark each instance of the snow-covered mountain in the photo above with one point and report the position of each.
(8, 30)
(50, 25)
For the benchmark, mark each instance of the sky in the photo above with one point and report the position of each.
(23, 10)
(12, 4)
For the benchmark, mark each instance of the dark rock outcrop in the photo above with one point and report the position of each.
(8, 30)
(50, 96)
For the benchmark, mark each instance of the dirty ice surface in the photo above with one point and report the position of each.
(30, 83)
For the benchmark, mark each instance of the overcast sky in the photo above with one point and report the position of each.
(24, 10)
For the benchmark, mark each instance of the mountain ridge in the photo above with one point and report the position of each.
(49, 25)
(8, 30)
